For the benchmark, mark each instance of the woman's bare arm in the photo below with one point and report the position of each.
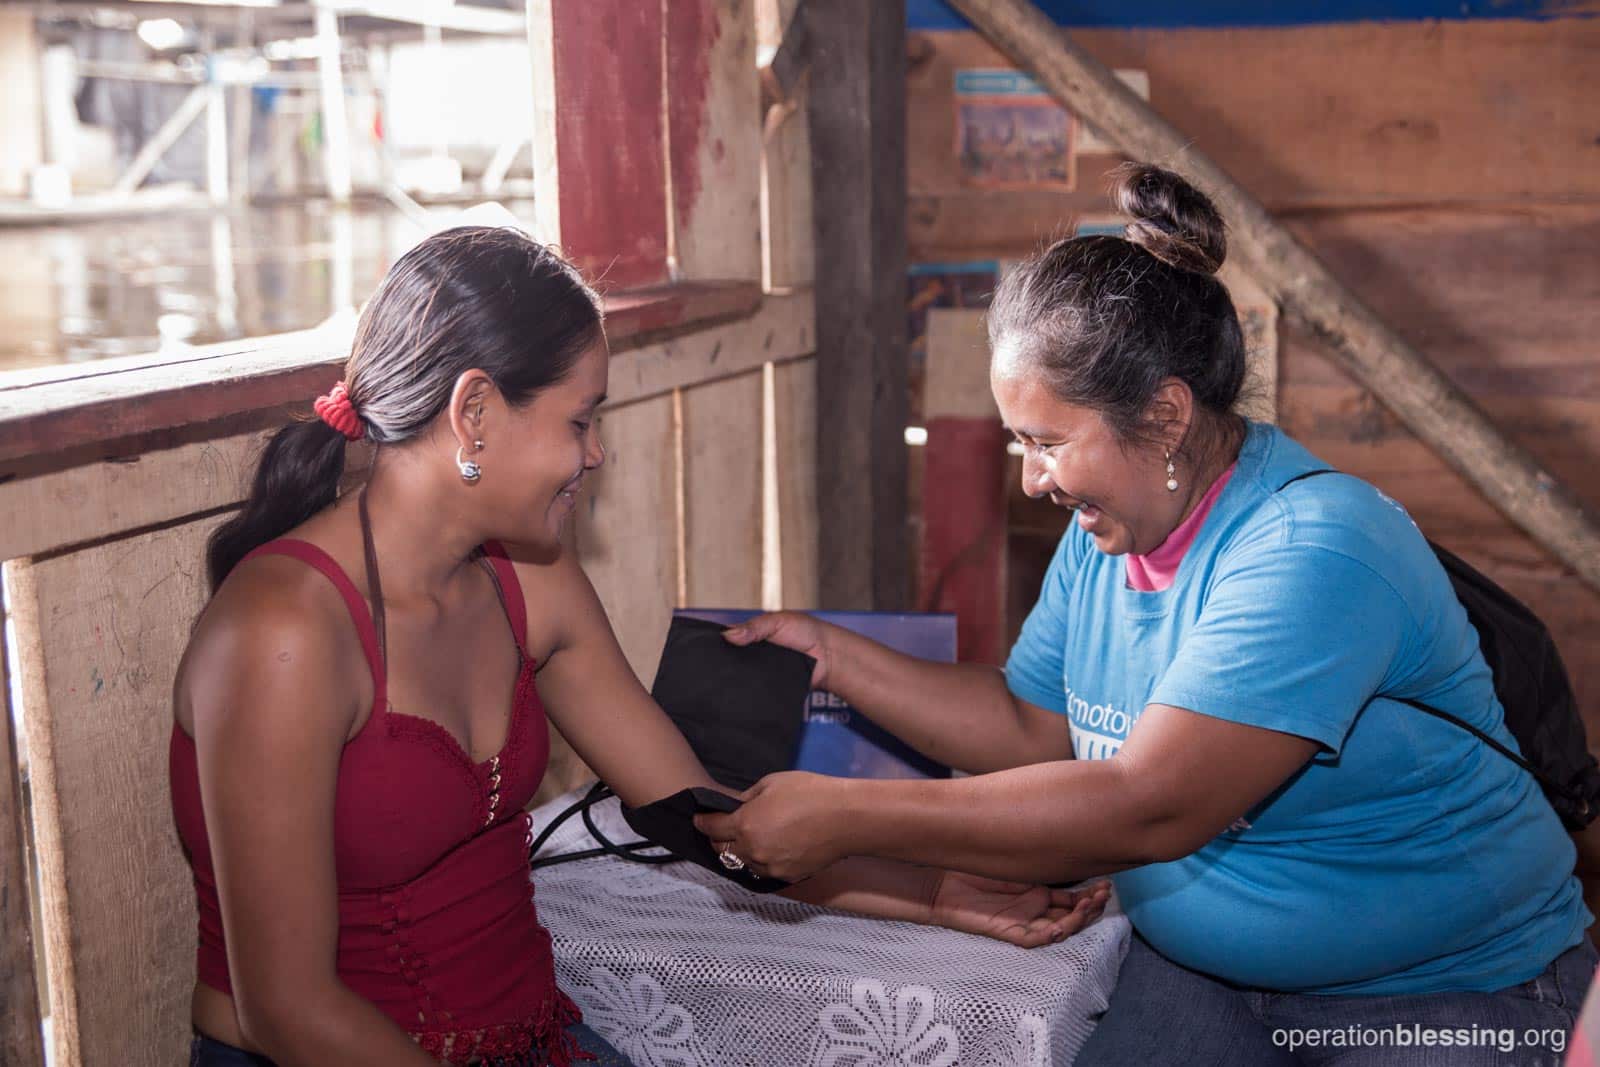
(1180, 779)
(273, 703)
(601, 708)
(960, 714)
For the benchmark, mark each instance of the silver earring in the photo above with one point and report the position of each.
(470, 471)
(1172, 481)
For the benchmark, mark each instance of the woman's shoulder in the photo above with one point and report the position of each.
(1304, 509)
(555, 589)
(274, 621)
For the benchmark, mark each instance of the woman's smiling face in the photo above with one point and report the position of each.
(1071, 455)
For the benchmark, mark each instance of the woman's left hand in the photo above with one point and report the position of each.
(1024, 915)
(791, 825)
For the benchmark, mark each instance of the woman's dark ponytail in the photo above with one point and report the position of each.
(298, 476)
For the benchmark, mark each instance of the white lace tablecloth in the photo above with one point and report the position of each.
(680, 968)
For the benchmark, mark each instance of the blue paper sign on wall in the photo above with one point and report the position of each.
(838, 739)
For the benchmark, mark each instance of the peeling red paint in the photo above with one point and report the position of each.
(609, 137)
(692, 30)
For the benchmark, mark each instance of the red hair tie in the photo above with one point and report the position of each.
(335, 409)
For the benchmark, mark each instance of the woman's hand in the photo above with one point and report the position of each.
(791, 826)
(791, 629)
(1024, 915)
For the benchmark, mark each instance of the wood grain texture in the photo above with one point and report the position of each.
(783, 328)
(108, 405)
(55, 410)
(1308, 293)
(21, 1039)
(100, 632)
(1258, 319)
(723, 492)
(794, 409)
(857, 115)
(1507, 304)
(714, 116)
(628, 528)
(788, 258)
(627, 542)
(1351, 114)
(610, 143)
(635, 317)
(86, 503)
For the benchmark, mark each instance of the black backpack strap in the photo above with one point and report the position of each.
(1575, 797)
(1303, 476)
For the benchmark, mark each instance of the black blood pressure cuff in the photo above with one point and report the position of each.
(741, 708)
(669, 823)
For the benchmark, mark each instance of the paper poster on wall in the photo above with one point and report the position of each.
(1009, 133)
(940, 285)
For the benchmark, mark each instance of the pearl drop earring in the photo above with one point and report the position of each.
(1172, 480)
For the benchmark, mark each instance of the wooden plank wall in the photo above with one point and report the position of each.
(21, 1036)
(115, 578)
(857, 114)
(787, 251)
(100, 632)
(715, 138)
(675, 516)
(708, 496)
(600, 130)
(1449, 172)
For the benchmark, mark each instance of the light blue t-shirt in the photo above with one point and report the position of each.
(1407, 856)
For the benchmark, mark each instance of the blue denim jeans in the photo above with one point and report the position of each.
(209, 1052)
(1162, 1013)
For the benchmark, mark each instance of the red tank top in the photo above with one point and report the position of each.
(437, 925)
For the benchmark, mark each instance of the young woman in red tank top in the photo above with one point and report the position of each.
(347, 776)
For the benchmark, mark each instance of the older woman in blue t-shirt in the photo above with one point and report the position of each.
(1204, 703)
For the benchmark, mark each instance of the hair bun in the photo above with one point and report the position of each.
(1171, 219)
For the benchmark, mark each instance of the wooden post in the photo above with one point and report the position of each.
(858, 143)
(21, 1039)
(786, 227)
(1440, 414)
(714, 139)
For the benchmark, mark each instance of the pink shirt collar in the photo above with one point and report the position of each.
(1157, 571)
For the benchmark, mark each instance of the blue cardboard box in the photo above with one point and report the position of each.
(839, 740)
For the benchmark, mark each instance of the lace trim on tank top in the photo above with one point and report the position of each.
(432, 734)
(540, 1040)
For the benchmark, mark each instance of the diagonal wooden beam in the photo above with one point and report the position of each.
(1400, 376)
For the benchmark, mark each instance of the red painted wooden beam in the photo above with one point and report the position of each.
(610, 141)
(964, 531)
(52, 409)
